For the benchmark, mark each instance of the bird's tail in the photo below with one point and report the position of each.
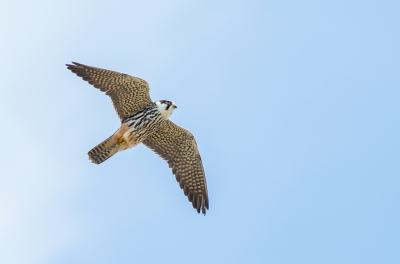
(104, 150)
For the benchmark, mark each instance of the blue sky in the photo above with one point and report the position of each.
(294, 106)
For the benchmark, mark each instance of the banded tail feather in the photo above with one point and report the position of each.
(104, 150)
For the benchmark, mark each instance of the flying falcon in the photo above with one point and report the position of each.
(144, 121)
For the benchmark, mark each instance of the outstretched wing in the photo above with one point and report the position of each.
(129, 94)
(177, 146)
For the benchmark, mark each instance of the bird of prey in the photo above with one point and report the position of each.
(145, 121)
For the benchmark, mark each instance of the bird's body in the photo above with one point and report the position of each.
(142, 124)
(144, 121)
(134, 130)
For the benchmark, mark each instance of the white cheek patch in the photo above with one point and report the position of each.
(163, 111)
(160, 107)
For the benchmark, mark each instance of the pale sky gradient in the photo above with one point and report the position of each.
(294, 105)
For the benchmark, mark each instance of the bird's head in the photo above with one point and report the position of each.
(166, 107)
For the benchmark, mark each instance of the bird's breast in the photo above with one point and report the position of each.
(139, 127)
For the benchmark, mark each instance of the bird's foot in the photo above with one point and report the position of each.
(121, 141)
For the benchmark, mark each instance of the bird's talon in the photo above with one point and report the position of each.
(121, 141)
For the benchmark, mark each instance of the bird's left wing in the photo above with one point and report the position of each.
(177, 146)
(129, 94)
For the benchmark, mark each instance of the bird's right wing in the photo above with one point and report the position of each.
(177, 146)
(129, 94)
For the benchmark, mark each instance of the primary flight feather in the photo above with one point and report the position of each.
(147, 122)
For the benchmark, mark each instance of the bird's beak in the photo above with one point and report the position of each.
(175, 106)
